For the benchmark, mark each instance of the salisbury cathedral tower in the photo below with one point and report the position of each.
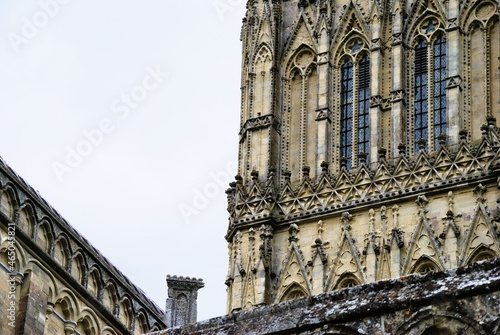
(367, 199)
(369, 146)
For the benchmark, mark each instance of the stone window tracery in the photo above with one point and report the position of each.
(354, 103)
(424, 265)
(294, 292)
(299, 121)
(482, 253)
(430, 118)
(346, 281)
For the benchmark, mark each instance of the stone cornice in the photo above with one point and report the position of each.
(257, 201)
(185, 283)
(259, 122)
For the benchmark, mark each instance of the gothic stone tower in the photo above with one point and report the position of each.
(368, 144)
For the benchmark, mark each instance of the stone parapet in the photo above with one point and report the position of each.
(465, 300)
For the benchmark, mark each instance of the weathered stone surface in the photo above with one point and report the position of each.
(182, 298)
(370, 128)
(464, 301)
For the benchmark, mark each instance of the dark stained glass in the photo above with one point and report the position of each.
(346, 105)
(364, 106)
(421, 95)
(440, 114)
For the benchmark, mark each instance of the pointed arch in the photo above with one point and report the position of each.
(45, 235)
(351, 79)
(347, 280)
(481, 12)
(299, 118)
(8, 202)
(62, 251)
(142, 324)
(88, 323)
(20, 256)
(415, 26)
(481, 26)
(352, 24)
(482, 252)
(94, 282)
(303, 57)
(125, 311)
(66, 305)
(425, 265)
(79, 267)
(262, 53)
(110, 296)
(480, 236)
(27, 219)
(301, 36)
(294, 291)
(347, 260)
(262, 86)
(427, 117)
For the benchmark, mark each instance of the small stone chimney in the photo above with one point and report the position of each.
(182, 299)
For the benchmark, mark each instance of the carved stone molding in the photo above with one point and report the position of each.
(376, 44)
(452, 24)
(452, 82)
(397, 39)
(259, 122)
(398, 95)
(376, 101)
(349, 188)
(324, 114)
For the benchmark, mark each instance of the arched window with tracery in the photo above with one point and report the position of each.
(347, 280)
(482, 57)
(354, 113)
(262, 87)
(430, 115)
(424, 265)
(299, 121)
(293, 292)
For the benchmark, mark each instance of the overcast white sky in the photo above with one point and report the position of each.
(167, 141)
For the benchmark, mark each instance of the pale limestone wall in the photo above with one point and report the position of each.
(303, 223)
(292, 55)
(60, 283)
(359, 246)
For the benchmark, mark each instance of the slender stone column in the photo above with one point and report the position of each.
(454, 69)
(375, 90)
(398, 92)
(323, 118)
